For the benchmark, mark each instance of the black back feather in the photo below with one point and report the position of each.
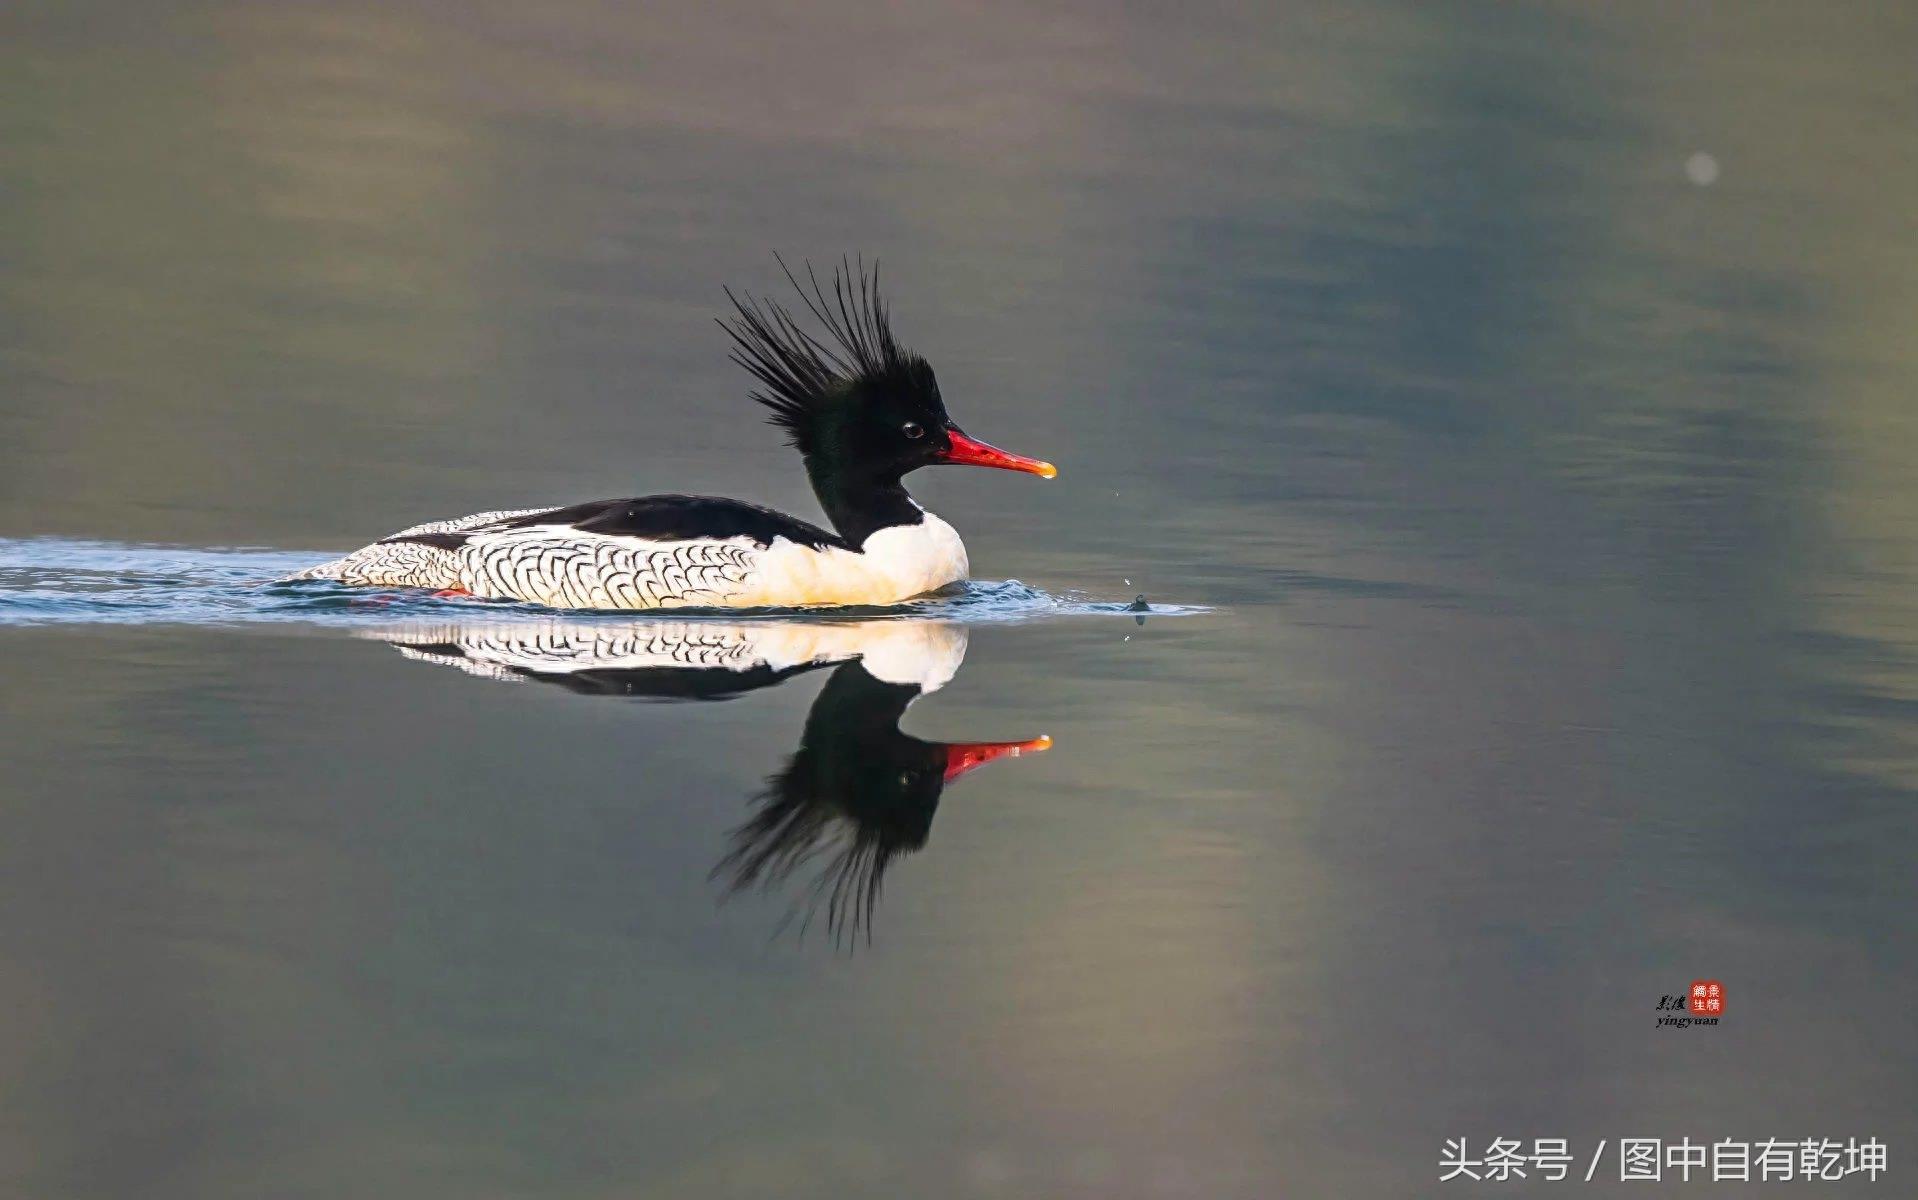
(801, 375)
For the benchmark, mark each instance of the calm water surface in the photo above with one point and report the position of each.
(1546, 510)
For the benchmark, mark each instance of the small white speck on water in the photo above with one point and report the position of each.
(1128, 583)
(1702, 169)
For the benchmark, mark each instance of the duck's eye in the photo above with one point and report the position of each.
(913, 430)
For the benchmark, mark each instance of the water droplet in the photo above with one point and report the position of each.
(1702, 169)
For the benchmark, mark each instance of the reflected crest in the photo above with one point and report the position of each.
(858, 791)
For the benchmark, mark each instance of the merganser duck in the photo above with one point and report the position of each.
(858, 792)
(862, 411)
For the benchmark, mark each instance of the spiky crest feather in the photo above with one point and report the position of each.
(801, 375)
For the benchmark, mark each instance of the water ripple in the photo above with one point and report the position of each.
(51, 581)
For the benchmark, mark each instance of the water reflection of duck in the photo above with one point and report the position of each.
(862, 411)
(858, 791)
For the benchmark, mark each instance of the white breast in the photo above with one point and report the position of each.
(896, 563)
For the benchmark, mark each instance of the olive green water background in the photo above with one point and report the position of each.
(1531, 392)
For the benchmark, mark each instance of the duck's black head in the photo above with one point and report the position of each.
(862, 410)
